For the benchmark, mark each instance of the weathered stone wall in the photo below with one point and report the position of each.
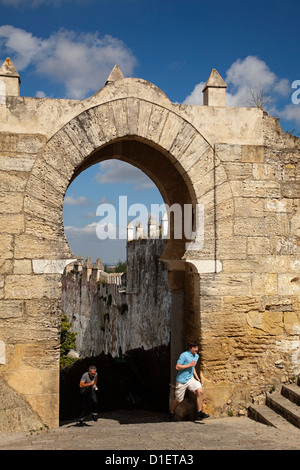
(250, 317)
(29, 299)
(111, 318)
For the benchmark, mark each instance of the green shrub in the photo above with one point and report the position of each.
(67, 342)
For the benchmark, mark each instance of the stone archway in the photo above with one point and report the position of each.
(161, 143)
(240, 282)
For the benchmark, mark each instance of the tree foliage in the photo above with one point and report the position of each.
(120, 267)
(67, 341)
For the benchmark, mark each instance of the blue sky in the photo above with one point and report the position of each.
(67, 48)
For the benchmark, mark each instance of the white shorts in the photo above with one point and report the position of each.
(191, 385)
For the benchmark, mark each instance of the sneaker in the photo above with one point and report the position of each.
(171, 416)
(201, 415)
(94, 416)
(81, 423)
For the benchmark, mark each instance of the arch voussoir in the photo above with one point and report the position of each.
(119, 110)
(133, 110)
(156, 123)
(172, 127)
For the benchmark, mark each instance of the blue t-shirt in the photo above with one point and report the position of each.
(186, 374)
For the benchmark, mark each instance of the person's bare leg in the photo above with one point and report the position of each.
(200, 415)
(174, 405)
(199, 394)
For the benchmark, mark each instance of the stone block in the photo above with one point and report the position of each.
(11, 223)
(238, 265)
(205, 185)
(11, 202)
(52, 266)
(263, 171)
(224, 228)
(220, 174)
(133, 107)
(2, 353)
(106, 121)
(295, 225)
(51, 308)
(197, 157)
(281, 264)
(253, 153)
(29, 246)
(265, 323)
(77, 135)
(223, 192)
(182, 140)
(50, 381)
(232, 248)
(30, 143)
(259, 245)
(47, 406)
(225, 210)
(6, 266)
(264, 284)
(120, 117)
(248, 207)
(292, 322)
(23, 163)
(60, 146)
(32, 286)
(237, 170)
(290, 189)
(6, 246)
(226, 284)
(172, 127)
(229, 153)
(22, 266)
(26, 382)
(278, 205)
(288, 284)
(263, 189)
(11, 309)
(249, 226)
(12, 182)
(277, 224)
(156, 122)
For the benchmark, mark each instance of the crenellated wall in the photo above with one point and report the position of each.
(115, 313)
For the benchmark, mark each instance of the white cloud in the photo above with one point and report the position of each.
(72, 201)
(40, 94)
(250, 71)
(291, 112)
(101, 231)
(89, 229)
(81, 62)
(23, 45)
(253, 74)
(196, 97)
(116, 171)
(243, 76)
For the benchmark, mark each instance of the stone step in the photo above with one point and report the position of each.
(283, 406)
(265, 415)
(292, 392)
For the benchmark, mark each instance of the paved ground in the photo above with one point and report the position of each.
(124, 430)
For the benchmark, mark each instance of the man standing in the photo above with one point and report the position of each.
(187, 378)
(88, 387)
